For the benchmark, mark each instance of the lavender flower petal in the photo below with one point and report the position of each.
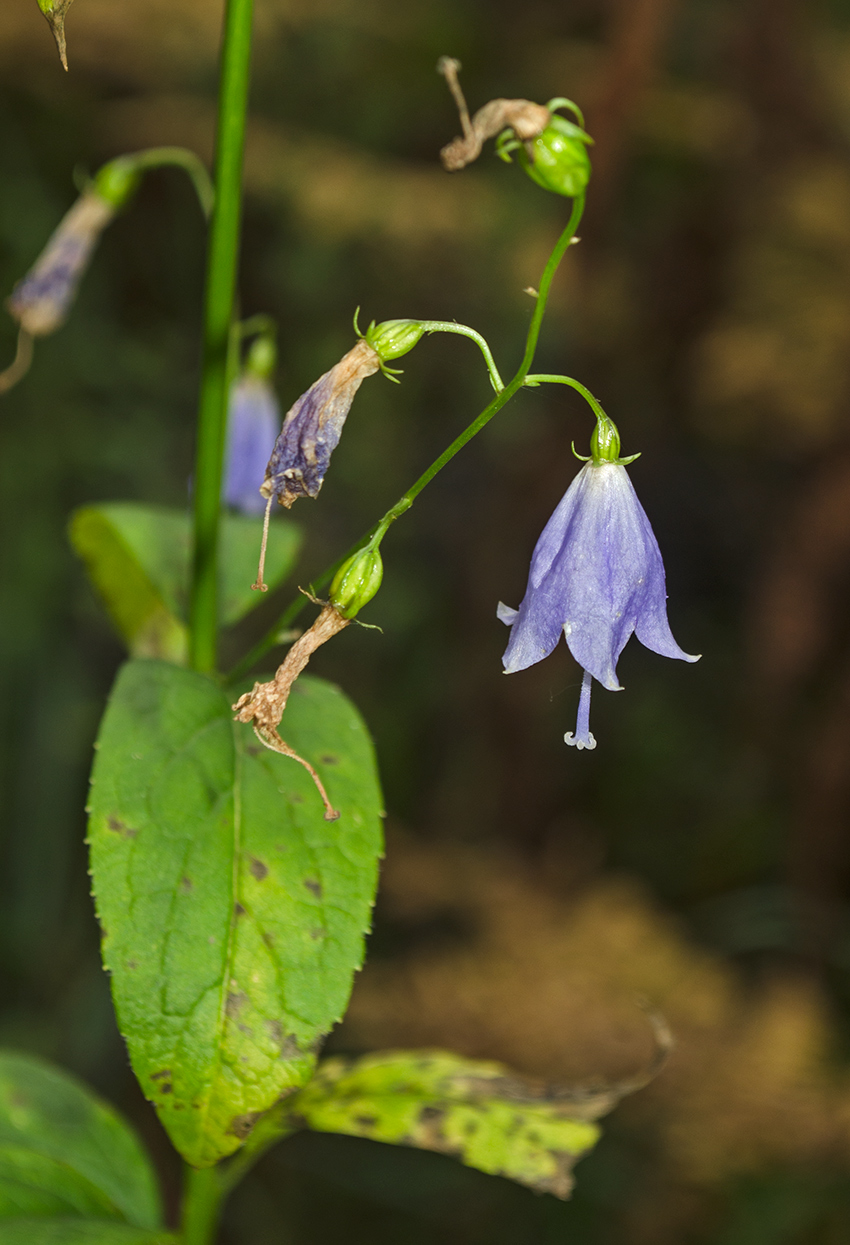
(596, 572)
(41, 300)
(313, 426)
(252, 425)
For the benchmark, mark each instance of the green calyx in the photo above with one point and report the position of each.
(557, 159)
(262, 357)
(117, 181)
(393, 338)
(357, 581)
(605, 444)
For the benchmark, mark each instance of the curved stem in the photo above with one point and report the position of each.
(546, 379)
(407, 499)
(222, 259)
(202, 1197)
(181, 157)
(451, 326)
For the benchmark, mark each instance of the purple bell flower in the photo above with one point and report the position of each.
(597, 575)
(252, 426)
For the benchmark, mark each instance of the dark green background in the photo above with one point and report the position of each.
(725, 787)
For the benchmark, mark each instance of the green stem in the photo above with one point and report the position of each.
(546, 379)
(181, 157)
(222, 257)
(451, 326)
(407, 499)
(202, 1197)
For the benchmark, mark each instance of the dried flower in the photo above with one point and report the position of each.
(263, 706)
(54, 11)
(41, 300)
(313, 426)
(597, 575)
(525, 118)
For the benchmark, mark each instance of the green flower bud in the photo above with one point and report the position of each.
(262, 357)
(117, 181)
(393, 338)
(605, 441)
(557, 159)
(357, 581)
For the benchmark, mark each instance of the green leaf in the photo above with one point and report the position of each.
(479, 1112)
(78, 1232)
(138, 559)
(65, 1152)
(233, 914)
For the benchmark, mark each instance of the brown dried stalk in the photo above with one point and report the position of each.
(263, 706)
(526, 119)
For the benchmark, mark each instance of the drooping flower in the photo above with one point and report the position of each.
(313, 426)
(41, 300)
(253, 420)
(597, 576)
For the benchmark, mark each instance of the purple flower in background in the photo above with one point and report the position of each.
(597, 575)
(252, 425)
(41, 300)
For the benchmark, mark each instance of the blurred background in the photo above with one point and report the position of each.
(699, 857)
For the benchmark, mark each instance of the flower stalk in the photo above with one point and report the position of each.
(222, 256)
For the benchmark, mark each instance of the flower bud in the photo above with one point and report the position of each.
(393, 338)
(605, 441)
(557, 159)
(357, 581)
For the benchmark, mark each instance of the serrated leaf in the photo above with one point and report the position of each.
(138, 559)
(233, 914)
(78, 1232)
(480, 1113)
(63, 1151)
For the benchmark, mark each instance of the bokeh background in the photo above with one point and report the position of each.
(699, 857)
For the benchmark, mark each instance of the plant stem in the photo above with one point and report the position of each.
(202, 1198)
(222, 257)
(451, 326)
(180, 157)
(407, 499)
(547, 379)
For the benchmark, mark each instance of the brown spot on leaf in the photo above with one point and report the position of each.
(268, 938)
(289, 1047)
(258, 869)
(158, 1076)
(365, 1121)
(329, 758)
(275, 1029)
(235, 1003)
(166, 1088)
(241, 1125)
(317, 934)
(132, 964)
(314, 886)
(121, 827)
(238, 910)
(254, 750)
(186, 885)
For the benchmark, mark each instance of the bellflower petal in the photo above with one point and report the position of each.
(313, 426)
(252, 424)
(41, 300)
(597, 574)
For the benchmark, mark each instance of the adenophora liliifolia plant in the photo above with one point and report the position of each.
(234, 888)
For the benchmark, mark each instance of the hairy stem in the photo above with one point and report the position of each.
(222, 257)
(503, 395)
